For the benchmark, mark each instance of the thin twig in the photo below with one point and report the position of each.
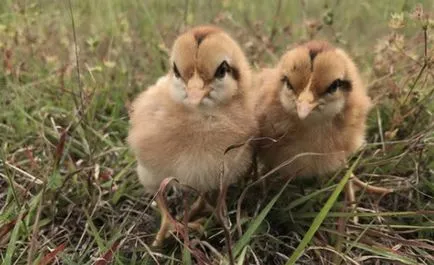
(425, 64)
(79, 106)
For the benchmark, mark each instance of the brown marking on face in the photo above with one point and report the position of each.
(329, 67)
(217, 48)
(296, 67)
(235, 73)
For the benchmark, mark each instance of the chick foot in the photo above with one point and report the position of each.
(200, 206)
(370, 188)
(170, 224)
(356, 184)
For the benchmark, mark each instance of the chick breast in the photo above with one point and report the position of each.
(309, 152)
(170, 140)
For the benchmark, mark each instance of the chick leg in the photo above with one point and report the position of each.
(168, 223)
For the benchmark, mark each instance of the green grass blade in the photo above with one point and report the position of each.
(12, 245)
(321, 216)
(242, 256)
(186, 256)
(306, 198)
(245, 239)
(102, 244)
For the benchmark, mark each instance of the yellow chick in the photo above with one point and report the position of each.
(314, 101)
(182, 125)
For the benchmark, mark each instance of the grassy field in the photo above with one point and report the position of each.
(68, 187)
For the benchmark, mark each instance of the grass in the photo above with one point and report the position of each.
(68, 187)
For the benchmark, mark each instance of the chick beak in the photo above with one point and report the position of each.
(304, 108)
(195, 90)
(305, 103)
(196, 96)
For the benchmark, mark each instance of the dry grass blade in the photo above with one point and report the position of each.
(49, 258)
(388, 254)
(60, 146)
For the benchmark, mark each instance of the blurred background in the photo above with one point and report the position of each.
(68, 190)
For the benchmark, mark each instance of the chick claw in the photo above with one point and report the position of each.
(167, 227)
(169, 224)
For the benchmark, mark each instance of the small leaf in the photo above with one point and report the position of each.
(109, 64)
(186, 256)
(95, 68)
(55, 181)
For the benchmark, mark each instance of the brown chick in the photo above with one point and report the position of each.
(182, 125)
(314, 101)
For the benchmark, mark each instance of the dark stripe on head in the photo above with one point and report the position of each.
(312, 55)
(315, 48)
(200, 33)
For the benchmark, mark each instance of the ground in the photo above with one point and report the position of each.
(68, 188)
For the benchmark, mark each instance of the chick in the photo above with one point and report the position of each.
(314, 105)
(314, 101)
(182, 125)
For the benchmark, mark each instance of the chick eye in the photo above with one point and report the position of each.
(176, 71)
(334, 86)
(222, 70)
(285, 80)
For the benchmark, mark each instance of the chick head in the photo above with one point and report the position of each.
(208, 68)
(316, 79)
